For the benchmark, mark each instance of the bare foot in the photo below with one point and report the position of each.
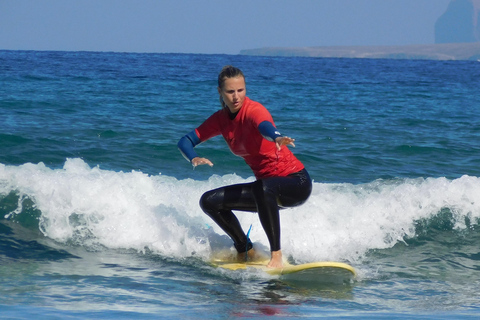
(276, 261)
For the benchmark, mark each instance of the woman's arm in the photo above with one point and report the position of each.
(186, 146)
(269, 132)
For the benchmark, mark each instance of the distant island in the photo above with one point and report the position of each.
(443, 51)
(459, 23)
(457, 37)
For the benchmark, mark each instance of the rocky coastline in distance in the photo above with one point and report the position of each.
(442, 51)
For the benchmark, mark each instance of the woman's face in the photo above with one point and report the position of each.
(233, 93)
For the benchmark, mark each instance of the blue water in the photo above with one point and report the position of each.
(99, 213)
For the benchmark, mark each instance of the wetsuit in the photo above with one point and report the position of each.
(282, 180)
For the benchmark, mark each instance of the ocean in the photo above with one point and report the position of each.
(99, 214)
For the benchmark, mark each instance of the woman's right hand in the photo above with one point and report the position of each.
(197, 161)
(283, 141)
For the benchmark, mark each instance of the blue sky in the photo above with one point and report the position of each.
(213, 26)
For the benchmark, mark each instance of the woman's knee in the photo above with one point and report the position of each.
(206, 202)
(211, 202)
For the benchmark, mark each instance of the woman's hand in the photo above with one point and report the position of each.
(197, 161)
(283, 141)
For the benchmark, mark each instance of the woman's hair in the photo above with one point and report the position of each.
(228, 72)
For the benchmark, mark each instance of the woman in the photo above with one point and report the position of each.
(249, 131)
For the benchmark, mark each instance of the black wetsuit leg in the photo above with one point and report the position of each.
(218, 205)
(272, 194)
(264, 196)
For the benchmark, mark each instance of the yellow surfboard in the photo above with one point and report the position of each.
(320, 272)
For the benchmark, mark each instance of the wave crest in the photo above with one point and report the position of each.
(94, 207)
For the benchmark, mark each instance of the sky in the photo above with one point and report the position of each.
(213, 26)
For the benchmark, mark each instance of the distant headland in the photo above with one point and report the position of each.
(442, 51)
(457, 37)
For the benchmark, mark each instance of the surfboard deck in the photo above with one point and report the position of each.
(319, 272)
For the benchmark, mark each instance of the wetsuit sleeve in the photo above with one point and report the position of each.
(268, 131)
(186, 145)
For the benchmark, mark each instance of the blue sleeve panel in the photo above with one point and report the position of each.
(186, 145)
(268, 131)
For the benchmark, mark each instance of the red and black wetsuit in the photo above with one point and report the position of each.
(282, 180)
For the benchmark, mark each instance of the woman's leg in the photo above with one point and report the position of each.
(269, 194)
(283, 192)
(218, 205)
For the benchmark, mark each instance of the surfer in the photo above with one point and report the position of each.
(281, 179)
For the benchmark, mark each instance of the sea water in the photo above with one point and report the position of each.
(99, 214)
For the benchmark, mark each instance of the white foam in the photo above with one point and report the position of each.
(90, 206)
(343, 221)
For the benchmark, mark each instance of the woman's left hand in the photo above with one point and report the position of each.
(283, 141)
